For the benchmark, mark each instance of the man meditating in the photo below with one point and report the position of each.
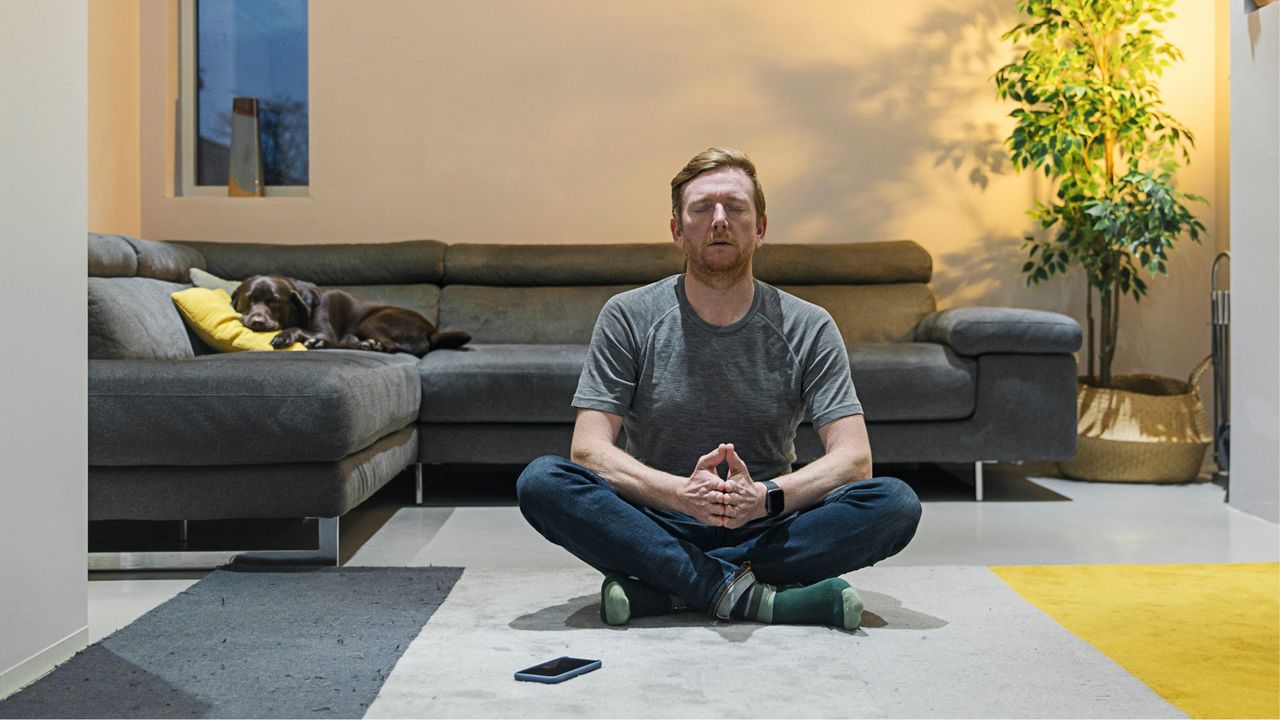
(714, 369)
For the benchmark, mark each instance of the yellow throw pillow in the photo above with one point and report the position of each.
(210, 314)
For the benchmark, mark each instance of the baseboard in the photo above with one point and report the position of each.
(36, 666)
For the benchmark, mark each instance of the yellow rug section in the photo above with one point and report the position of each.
(1205, 637)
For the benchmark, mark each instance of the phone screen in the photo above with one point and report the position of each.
(559, 666)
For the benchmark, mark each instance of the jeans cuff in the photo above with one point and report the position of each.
(734, 589)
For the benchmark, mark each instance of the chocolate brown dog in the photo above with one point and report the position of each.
(334, 319)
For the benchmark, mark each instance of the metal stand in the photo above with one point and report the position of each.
(325, 553)
(417, 470)
(977, 480)
(1220, 307)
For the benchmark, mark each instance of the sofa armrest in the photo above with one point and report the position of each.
(980, 330)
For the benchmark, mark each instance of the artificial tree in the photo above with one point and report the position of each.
(1090, 116)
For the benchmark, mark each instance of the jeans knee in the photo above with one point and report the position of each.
(901, 506)
(539, 480)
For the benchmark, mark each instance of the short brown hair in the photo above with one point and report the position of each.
(714, 158)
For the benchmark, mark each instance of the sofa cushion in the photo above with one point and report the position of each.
(551, 315)
(560, 265)
(501, 383)
(134, 317)
(209, 281)
(913, 381)
(535, 383)
(896, 261)
(413, 261)
(111, 256)
(245, 408)
(125, 256)
(165, 261)
(871, 313)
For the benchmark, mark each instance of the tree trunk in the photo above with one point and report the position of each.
(1088, 311)
(1110, 325)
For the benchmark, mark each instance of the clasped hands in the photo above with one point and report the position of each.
(731, 501)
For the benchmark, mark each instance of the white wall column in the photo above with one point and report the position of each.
(43, 384)
(1255, 259)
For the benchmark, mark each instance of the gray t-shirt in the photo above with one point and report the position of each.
(684, 386)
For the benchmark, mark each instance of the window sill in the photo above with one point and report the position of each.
(241, 200)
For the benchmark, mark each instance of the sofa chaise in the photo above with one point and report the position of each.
(177, 432)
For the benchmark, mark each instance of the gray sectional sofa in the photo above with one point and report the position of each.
(179, 433)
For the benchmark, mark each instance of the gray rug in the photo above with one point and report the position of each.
(301, 644)
(936, 642)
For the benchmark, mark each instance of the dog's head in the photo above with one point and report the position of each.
(272, 302)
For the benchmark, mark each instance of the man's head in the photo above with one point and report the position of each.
(717, 215)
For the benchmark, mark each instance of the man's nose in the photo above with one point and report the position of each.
(720, 219)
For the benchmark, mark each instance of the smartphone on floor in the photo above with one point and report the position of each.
(558, 670)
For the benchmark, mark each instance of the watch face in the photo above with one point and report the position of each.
(773, 501)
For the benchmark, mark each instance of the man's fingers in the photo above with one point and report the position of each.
(736, 464)
(711, 459)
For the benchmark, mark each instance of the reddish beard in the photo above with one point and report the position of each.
(722, 271)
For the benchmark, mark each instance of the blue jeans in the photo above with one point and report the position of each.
(857, 525)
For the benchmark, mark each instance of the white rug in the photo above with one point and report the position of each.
(935, 642)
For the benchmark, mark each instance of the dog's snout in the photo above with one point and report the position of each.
(259, 322)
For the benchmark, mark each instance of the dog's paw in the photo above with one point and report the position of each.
(284, 339)
(371, 345)
(315, 342)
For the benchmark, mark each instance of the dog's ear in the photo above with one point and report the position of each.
(304, 297)
(236, 294)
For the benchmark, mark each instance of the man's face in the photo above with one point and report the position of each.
(719, 229)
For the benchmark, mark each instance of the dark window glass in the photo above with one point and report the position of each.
(252, 48)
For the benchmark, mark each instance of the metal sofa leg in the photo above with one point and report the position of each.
(977, 480)
(417, 470)
(325, 553)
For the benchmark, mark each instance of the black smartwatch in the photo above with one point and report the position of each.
(773, 499)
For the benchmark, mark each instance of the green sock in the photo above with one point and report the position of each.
(623, 598)
(829, 602)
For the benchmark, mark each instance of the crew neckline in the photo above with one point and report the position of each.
(692, 314)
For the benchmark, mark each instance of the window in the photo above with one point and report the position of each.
(244, 48)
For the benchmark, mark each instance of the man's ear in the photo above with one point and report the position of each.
(677, 233)
(762, 224)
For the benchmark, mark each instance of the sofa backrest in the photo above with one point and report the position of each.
(543, 293)
(131, 314)
(875, 292)
(406, 274)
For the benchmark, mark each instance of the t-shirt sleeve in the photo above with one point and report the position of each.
(828, 382)
(609, 375)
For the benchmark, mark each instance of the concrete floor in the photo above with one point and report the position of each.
(1026, 520)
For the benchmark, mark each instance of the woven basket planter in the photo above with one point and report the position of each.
(1146, 428)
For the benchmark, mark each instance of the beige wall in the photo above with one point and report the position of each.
(564, 122)
(115, 204)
